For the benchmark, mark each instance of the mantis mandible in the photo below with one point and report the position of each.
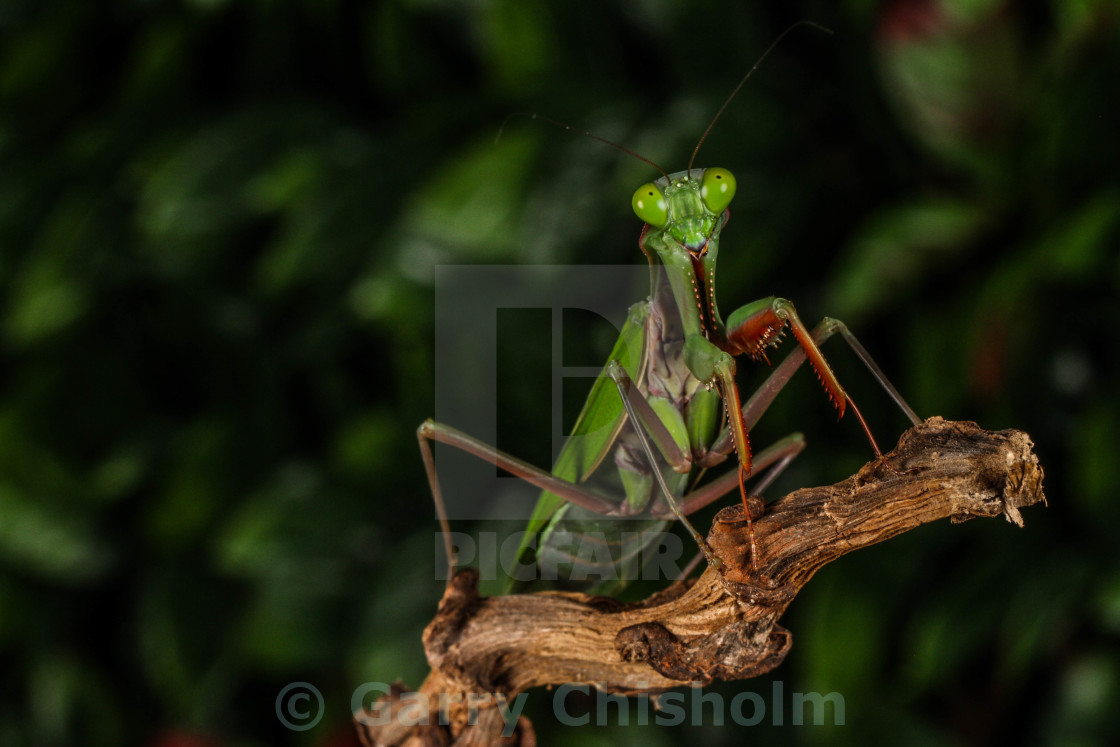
(652, 424)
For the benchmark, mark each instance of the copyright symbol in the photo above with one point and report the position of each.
(299, 706)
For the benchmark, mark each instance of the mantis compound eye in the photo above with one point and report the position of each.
(717, 188)
(649, 205)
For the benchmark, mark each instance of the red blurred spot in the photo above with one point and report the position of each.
(910, 20)
(989, 359)
(177, 738)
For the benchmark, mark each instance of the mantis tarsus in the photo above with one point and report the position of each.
(655, 410)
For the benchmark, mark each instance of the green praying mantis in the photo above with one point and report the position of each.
(666, 406)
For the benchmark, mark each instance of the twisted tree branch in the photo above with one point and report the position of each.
(723, 626)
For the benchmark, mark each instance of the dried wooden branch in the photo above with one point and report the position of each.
(724, 625)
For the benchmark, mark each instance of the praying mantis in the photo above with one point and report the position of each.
(666, 407)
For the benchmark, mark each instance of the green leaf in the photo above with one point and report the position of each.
(49, 540)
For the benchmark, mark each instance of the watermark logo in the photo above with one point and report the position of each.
(299, 706)
(585, 558)
(469, 302)
(697, 707)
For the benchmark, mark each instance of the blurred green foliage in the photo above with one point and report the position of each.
(219, 223)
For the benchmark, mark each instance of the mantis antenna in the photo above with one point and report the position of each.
(707, 131)
(746, 77)
(569, 128)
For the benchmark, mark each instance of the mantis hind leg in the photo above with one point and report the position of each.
(430, 431)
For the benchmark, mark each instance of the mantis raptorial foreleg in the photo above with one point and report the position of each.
(750, 330)
(756, 406)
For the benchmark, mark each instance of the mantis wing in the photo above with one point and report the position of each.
(596, 428)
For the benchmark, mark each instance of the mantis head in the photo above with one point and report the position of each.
(686, 207)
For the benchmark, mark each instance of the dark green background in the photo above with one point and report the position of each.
(219, 223)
